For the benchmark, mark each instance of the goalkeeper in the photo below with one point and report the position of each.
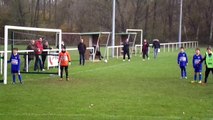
(64, 59)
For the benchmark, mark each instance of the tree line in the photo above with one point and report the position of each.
(158, 18)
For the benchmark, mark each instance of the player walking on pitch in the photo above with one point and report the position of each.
(126, 50)
(145, 50)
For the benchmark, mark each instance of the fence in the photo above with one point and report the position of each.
(171, 46)
(165, 46)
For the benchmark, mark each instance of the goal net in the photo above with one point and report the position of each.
(96, 43)
(21, 36)
(138, 41)
(120, 38)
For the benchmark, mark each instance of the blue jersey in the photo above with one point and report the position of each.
(197, 61)
(15, 62)
(182, 59)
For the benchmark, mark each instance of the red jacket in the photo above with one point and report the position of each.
(39, 47)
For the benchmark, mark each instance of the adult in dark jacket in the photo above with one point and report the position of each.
(156, 46)
(126, 49)
(31, 55)
(208, 58)
(82, 50)
(44, 53)
(145, 49)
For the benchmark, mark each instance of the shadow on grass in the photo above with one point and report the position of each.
(39, 73)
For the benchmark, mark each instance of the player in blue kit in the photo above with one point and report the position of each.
(197, 58)
(183, 62)
(15, 65)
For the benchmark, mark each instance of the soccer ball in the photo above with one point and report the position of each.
(105, 61)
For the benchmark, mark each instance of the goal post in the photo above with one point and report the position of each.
(21, 28)
(120, 38)
(141, 39)
(91, 40)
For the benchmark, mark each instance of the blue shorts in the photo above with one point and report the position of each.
(198, 70)
(15, 71)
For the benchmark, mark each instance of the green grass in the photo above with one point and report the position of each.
(118, 90)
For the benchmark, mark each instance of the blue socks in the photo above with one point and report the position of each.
(14, 78)
(19, 77)
(183, 73)
(200, 77)
(195, 77)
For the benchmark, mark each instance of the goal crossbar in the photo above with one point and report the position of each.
(137, 30)
(21, 28)
(93, 33)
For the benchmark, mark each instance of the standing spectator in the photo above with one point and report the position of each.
(82, 50)
(31, 55)
(44, 53)
(145, 49)
(182, 62)
(208, 58)
(64, 59)
(156, 46)
(126, 49)
(15, 65)
(38, 52)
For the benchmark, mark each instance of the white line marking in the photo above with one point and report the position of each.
(88, 115)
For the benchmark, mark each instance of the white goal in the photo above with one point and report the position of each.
(141, 38)
(9, 28)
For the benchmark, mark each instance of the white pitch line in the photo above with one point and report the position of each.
(96, 69)
(87, 115)
(78, 72)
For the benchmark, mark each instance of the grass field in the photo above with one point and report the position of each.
(136, 90)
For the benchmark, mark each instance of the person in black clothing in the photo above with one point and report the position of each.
(145, 49)
(156, 46)
(208, 58)
(44, 53)
(98, 52)
(126, 49)
(82, 50)
(31, 55)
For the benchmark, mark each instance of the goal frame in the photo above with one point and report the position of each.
(137, 30)
(89, 34)
(121, 46)
(22, 28)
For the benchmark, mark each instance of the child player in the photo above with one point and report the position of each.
(64, 59)
(197, 58)
(15, 65)
(183, 62)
